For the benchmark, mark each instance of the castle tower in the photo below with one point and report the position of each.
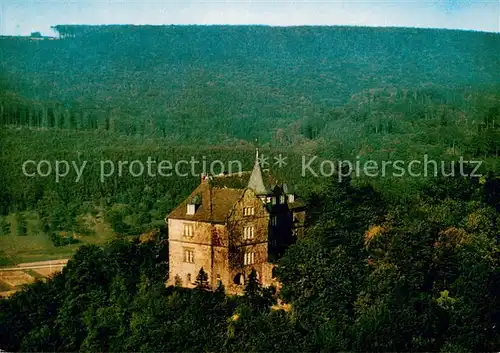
(256, 183)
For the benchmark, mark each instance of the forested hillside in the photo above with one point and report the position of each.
(176, 92)
(210, 82)
(387, 263)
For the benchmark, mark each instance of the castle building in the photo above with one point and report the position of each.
(231, 224)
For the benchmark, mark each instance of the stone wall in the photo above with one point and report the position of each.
(200, 243)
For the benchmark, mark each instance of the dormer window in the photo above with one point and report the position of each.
(248, 211)
(191, 209)
(193, 205)
(291, 198)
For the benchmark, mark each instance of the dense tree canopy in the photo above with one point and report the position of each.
(387, 263)
(419, 278)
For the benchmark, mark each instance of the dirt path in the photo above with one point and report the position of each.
(14, 278)
(35, 265)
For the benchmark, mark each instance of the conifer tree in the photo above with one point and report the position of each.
(252, 288)
(202, 280)
(258, 298)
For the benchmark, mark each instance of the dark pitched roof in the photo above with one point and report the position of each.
(241, 180)
(215, 196)
(233, 181)
(214, 207)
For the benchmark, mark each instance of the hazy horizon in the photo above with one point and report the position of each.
(32, 16)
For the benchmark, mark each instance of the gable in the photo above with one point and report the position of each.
(249, 199)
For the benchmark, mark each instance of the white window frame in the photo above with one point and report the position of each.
(249, 258)
(189, 255)
(248, 211)
(191, 209)
(248, 232)
(188, 231)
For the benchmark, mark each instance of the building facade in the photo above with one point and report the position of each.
(231, 224)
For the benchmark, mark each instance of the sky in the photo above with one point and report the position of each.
(21, 17)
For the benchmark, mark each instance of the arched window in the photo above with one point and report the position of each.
(188, 277)
(239, 279)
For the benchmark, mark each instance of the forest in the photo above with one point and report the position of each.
(386, 263)
(368, 276)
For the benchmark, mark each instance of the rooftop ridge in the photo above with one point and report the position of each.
(232, 174)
